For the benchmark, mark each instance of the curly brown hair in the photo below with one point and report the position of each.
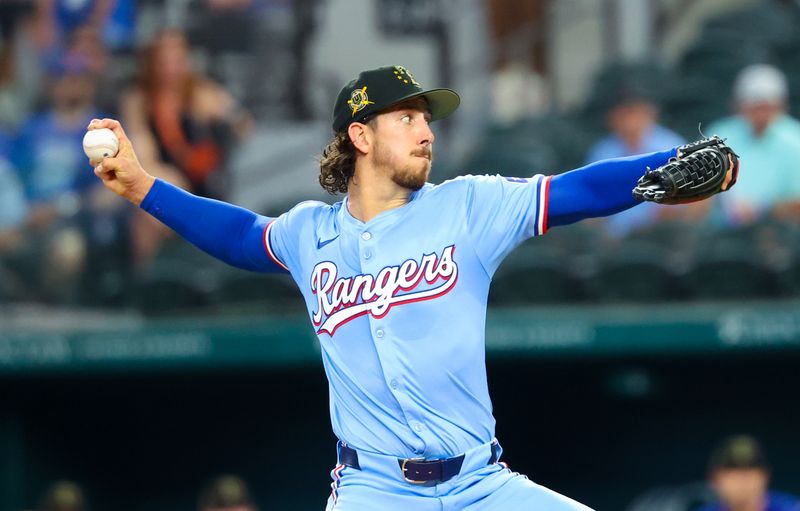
(338, 161)
(337, 164)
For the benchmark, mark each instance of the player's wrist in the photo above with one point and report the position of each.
(138, 192)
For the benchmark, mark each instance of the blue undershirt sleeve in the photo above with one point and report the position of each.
(599, 189)
(229, 233)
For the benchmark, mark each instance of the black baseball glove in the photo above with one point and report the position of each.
(698, 172)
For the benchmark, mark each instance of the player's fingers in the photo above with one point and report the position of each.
(112, 163)
(102, 172)
(728, 175)
(112, 124)
(108, 166)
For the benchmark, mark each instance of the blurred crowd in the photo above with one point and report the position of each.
(59, 67)
(223, 493)
(65, 240)
(738, 478)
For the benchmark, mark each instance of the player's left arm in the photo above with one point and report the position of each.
(604, 187)
(684, 174)
(599, 189)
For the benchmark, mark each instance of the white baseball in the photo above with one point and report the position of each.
(100, 143)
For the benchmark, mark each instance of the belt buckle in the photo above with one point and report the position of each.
(403, 468)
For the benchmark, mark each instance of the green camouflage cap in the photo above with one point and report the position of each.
(740, 451)
(378, 89)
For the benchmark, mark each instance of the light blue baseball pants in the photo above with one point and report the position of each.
(379, 486)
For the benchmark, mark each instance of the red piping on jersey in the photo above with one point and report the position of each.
(265, 241)
(546, 201)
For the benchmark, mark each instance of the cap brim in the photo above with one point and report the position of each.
(441, 102)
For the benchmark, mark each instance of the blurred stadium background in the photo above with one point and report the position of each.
(616, 361)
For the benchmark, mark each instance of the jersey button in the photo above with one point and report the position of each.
(394, 384)
(366, 236)
(379, 333)
(367, 254)
(418, 427)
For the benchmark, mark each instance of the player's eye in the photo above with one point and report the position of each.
(406, 119)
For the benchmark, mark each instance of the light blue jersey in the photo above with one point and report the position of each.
(399, 305)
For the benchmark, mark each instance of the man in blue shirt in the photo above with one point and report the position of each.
(632, 119)
(48, 155)
(396, 277)
(739, 474)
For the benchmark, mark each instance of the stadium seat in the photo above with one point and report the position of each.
(171, 288)
(510, 152)
(180, 279)
(535, 273)
(635, 271)
(729, 267)
(240, 289)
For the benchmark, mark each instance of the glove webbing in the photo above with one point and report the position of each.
(700, 144)
(696, 174)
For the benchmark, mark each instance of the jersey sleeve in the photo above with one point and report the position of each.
(502, 212)
(281, 236)
(227, 232)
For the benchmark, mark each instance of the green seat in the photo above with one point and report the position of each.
(242, 288)
(636, 271)
(730, 269)
(535, 273)
(510, 156)
(179, 279)
(170, 288)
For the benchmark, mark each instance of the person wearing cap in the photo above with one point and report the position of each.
(632, 118)
(739, 474)
(767, 140)
(226, 493)
(63, 496)
(395, 277)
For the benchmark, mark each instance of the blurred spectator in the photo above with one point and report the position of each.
(739, 474)
(229, 5)
(57, 178)
(20, 66)
(181, 119)
(226, 493)
(184, 126)
(56, 20)
(13, 211)
(85, 43)
(13, 206)
(767, 139)
(633, 121)
(63, 496)
(517, 92)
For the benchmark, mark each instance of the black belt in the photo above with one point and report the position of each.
(418, 471)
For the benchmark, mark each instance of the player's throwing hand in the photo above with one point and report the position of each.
(121, 174)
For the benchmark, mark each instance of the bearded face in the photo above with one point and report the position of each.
(404, 144)
(409, 169)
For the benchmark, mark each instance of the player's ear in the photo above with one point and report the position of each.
(361, 136)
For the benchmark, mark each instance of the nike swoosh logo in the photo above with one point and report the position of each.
(321, 243)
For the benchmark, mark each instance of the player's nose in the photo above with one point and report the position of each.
(427, 136)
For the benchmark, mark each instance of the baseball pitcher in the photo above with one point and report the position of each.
(385, 271)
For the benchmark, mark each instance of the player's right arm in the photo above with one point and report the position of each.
(229, 233)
